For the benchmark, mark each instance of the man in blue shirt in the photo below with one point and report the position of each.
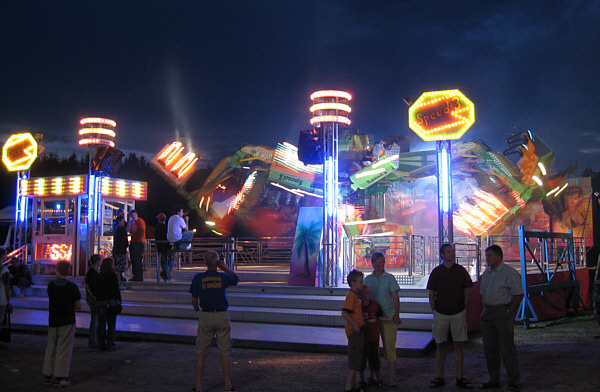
(209, 293)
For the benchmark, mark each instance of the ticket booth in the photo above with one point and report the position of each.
(73, 217)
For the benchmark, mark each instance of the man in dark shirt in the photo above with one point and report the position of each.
(208, 291)
(63, 298)
(120, 245)
(449, 288)
(162, 247)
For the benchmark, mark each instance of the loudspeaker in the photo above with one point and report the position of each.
(310, 149)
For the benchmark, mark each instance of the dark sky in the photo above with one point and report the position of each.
(223, 73)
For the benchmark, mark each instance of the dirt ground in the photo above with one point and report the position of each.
(563, 355)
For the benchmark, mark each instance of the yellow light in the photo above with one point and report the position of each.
(441, 115)
(121, 191)
(370, 172)
(552, 191)
(537, 179)
(561, 189)
(542, 168)
(330, 106)
(365, 222)
(19, 151)
(210, 223)
(98, 120)
(330, 93)
(384, 161)
(57, 185)
(339, 119)
(39, 186)
(105, 186)
(101, 131)
(86, 141)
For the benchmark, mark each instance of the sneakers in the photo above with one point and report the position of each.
(61, 382)
(122, 287)
(47, 380)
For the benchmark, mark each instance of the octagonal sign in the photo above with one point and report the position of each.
(441, 115)
(19, 151)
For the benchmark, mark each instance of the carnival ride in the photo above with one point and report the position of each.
(490, 193)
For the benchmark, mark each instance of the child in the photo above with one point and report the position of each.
(64, 298)
(352, 313)
(371, 313)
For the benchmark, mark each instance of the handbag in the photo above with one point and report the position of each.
(5, 331)
(114, 306)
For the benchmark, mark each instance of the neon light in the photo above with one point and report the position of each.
(384, 161)
(441, 115)
(379, 234)
(552, 191)
(478, 218)
(87, 141)
(331, 191)
(542, 168)
(365, 222)
(445, 191)
(330, 93)
(370, 172)
(308, 193)
(561, 189)
(101, 131)
(210, 223)
(330, 106)
(54, 252)
(537, 179)
(171, 162)
(97, 120)
(19, 151)
(294, 191)
(339, 119)
(57, 186)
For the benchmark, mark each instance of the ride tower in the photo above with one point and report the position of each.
(330, 109)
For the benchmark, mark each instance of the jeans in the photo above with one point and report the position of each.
(93, 330)
(106, 340)
(166, 262)
(136, 249)
(186, 240)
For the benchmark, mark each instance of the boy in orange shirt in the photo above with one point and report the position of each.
(352, 313)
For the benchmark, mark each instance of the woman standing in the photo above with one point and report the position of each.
(92, 279)
(109, 297)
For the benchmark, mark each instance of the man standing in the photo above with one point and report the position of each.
(501, 293)
(20, 276)
(449, 288)
(137, 228)
(178, 230)
(384, 290)
(119, 250)
(208, 291)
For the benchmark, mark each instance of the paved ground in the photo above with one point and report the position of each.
(562, 356)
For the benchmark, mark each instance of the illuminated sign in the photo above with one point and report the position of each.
(441, 115)
(286, 169)
(49, 186)
(124, 189)
(97, 131)
(53, 252)
(330, 106)
(19, 151)
(371, 174)
(172, 163)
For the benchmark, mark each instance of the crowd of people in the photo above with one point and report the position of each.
(371, 310)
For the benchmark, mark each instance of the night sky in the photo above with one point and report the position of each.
(223, 73)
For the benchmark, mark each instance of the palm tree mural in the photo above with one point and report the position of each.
(307, 241)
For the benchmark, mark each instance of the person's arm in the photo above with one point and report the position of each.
(432, 300)
(186, 219)
(225, 268)
(346, 315)
(195, 304)
(78, 304)
(514, 306)
(396, 300)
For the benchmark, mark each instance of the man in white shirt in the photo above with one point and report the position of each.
(178, 231)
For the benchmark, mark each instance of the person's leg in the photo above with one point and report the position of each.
(64, 350)
(508, 351)
(111, 319)
(102, 325)
(459, 358)
(389, 332)
(491, 348)
(164, 266)
(136, 249)
(93, 329)
(440, 358)
(226, 365)
(200, 360)
(49, 354)
(458, 328)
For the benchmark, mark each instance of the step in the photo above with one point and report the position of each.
(260, 314)
(244, 335)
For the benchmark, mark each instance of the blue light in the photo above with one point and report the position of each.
(57, 206)
(445, 181)
(330, 185)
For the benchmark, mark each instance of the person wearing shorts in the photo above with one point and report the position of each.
(352, 314)
(209, 297)
(120, 245)
(449, 288)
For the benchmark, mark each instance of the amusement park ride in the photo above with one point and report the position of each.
(362, 188)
